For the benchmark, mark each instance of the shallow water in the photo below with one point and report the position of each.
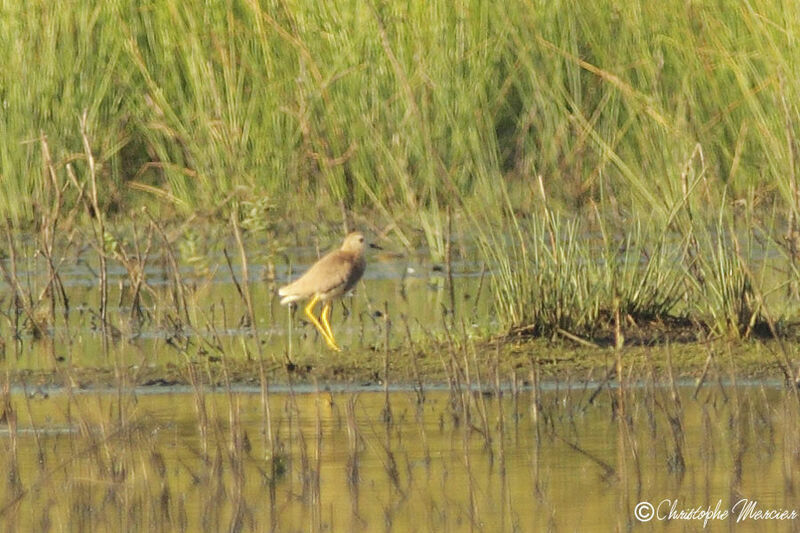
(459, 461)
(341, 457)
(208, 317)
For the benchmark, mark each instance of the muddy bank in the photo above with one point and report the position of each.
(481, 363)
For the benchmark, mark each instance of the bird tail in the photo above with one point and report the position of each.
(287, 297)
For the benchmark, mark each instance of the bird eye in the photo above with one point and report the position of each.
(361, 239)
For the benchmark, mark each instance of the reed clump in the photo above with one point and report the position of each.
(620, 165)
(401, 108)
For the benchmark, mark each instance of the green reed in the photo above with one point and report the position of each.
(400, 107)
(638, 118)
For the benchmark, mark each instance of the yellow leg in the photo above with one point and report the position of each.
(310, 314)
(326, 312)
(309, 310)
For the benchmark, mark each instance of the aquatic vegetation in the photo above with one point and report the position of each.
(248, 459)
(619, 181)
(399, 108)
(663, 136)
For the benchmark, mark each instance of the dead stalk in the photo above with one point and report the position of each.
(97, 217)
(387, 325)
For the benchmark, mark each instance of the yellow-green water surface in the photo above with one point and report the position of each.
(194, 459)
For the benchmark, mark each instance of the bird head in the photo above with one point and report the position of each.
(354, 243)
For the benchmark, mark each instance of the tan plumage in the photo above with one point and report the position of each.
(332, 276)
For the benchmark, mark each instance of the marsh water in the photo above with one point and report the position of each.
(306, 459)
(386, 450)
(193, 309)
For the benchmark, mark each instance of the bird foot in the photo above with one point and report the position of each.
(332, 345)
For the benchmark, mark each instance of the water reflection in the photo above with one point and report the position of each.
(260, 460)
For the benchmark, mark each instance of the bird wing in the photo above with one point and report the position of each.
(325, 275)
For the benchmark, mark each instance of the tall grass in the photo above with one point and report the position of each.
(646, 114)
(403, 106)
(59, 63)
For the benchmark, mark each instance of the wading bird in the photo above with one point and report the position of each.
(331, 277)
